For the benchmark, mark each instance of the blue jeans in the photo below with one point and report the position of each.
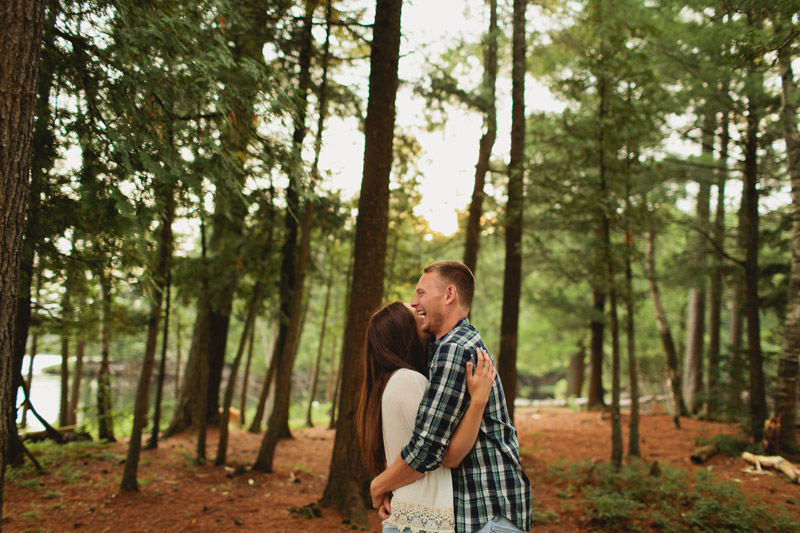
(499, 524)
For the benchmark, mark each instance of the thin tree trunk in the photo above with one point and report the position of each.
(162, 366)
(294, 269)
(597, 328)
(317, 363)
(512, 280)
(634, 449)
(178, 353)
(337, 386)
(63, 404)
(105, 417)
(786, 393)
(715, 393)
(671, 354)
(696, 326)
(77, 380)
(736, 380)
(348, 481)
(246, 377)
(610, 281)
(249, 323)
(269, 378)
(161, 280)
(473, 229)
(34, 350)
(758, 400)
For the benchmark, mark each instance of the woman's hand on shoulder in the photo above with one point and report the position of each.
(480, 377)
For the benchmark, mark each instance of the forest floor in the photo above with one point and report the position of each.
(81, 490)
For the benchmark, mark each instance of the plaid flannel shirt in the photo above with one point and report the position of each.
(490, 481)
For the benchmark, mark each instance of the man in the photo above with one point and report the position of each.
(491, 491)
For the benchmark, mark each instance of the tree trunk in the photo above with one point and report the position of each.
(266, 386)
(162, 366)
(575, 372)
(630, 326)
(63, 403)
(347, 488)
(736, 380)
(786, 393)
(249, 323)
(696, 326)
(758, 400)
(246, 377)
(43, 146)
(20, 42)
(105, 417)
(473, 229)
(178, 353)
(512, 280)
(318, 362)
(597, 327)
(673, 370)
(77, 381)
(337, 385)
(715, 393)
(160, 279)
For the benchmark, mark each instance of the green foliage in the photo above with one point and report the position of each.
(631, 498)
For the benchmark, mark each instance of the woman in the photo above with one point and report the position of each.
(394, 381)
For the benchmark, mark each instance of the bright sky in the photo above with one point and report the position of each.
(448, 160)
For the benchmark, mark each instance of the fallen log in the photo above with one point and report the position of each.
(774, 461)
(704, 453)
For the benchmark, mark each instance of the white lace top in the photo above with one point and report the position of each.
(427, 504)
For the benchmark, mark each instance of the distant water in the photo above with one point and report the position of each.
(45, 391)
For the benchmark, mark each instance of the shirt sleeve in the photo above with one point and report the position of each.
(440, 410)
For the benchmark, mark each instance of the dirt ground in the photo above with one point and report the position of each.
(177, 495)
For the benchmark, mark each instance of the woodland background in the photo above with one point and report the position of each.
(164, 209)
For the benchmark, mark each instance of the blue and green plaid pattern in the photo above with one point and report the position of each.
(490, 481)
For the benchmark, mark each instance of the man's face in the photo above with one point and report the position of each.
(424, 336)
(429, 304)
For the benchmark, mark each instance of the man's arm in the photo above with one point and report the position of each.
(442, 407)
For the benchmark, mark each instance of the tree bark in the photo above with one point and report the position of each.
(757, 390)
(77, 380)
(597, 328)
(20, 42)
(696, 324)
(162, 366)
(105, 417)
(42, 160)
(786, 393)
(473, 229)
(512, 280)
(269, 379)
(246, 377)
(664, 330)
(249, 324)
(715, 393)
(160, 280)
(63, 403)
(312, 391)
(575, 372)
(347, 488)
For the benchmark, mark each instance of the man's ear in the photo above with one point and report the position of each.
(451, 294)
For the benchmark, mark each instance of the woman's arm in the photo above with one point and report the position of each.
(479, 385)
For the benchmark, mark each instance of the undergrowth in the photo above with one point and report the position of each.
(638, 496)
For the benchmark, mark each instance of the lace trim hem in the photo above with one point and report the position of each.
(418, 517)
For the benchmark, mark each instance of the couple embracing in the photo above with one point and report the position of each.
(433, 420)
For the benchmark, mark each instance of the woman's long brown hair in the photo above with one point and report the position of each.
(392, 342)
